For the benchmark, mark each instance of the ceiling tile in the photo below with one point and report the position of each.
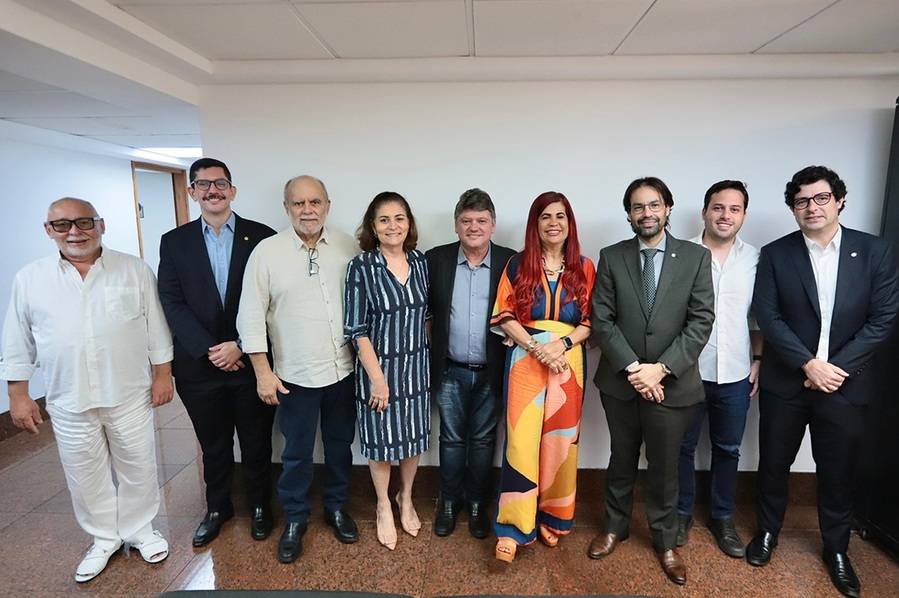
(393, 29)
(26, 104)
(234, 31)
(11, 82)
(553, 27)
(715, 26)
(850, 26)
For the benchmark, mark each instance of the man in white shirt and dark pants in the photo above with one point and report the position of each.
(728, 365)
(91, 318)
(293, 298)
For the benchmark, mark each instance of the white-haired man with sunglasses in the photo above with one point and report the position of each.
(91, 318)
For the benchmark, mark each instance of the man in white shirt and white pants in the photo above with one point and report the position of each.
(728, 365)
(91, 318)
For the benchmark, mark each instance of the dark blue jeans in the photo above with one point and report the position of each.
(726, 405)
(469, 412)
(298, 416)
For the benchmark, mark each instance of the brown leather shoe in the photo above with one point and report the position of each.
(673, 566)
(604, 544)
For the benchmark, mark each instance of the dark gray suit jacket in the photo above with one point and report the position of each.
(442, 270)
(786, 306)
(675, 335)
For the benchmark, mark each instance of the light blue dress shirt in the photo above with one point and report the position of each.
(218, 247)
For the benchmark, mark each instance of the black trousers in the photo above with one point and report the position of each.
(216, 410)
(836, 427)
(662, 428)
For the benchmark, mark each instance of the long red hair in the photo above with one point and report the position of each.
(529, 277)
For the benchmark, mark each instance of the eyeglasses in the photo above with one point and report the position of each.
(64, 226)
(653, 206)
(822, 199)
(220, 184)
(313, 265)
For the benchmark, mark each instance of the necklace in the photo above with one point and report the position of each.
(550, 272)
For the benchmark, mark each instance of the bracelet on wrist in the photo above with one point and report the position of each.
(756, 358)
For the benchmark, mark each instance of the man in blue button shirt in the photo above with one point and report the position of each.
(467, 361)
(201, 266)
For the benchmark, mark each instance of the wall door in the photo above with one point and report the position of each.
(160, 202)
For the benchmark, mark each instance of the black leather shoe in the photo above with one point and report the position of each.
(344, 527)
(684, 525)
(759, 549)
(262, 523)
(290, 546)
(209, 528)
(445, 519)
(478, 522)
(841, 573)
(727, 538)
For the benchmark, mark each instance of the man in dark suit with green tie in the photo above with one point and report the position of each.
(653, 310)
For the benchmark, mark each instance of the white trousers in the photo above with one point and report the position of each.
(93, 444)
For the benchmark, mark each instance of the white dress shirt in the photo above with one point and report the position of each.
(94, 339)
(728, 355)
(825, 262)
(300, 314)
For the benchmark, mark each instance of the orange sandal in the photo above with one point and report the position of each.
(505, 550)
(547, 536)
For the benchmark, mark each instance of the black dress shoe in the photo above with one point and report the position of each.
(478, 522)
(344, 527)
(727, 538)
(290, 546)
(209, 528)
(759, 549)
(841, 573)
(684, 525)
(262, 523)
(445, 519)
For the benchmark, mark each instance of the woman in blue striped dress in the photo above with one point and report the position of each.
(384, 315)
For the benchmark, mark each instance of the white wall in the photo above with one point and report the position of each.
(36, 175)
(430, 142)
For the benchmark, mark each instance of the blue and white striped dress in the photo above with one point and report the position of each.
(392, 316)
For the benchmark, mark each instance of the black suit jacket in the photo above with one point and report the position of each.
(785, 303)
(191, 301)
(442, 269)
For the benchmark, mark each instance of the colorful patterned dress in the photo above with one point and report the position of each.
(538, 480)
(392, 316)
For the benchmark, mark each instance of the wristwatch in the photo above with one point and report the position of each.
(567, 342)
(665, 369)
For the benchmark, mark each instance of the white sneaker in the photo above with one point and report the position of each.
(94, 562)
(154, 549)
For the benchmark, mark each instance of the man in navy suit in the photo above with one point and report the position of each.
(825, 299)
(201, 267)
(467, 361)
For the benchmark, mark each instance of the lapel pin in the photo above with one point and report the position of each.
(246, 238)
(853, 254)
(673, 254)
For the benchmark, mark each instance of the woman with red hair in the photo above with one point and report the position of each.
(543, 307)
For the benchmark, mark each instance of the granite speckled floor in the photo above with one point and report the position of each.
(40, 545)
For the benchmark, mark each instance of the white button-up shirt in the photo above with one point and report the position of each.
(728, 355)
(825, 263)
(301, 314)
(94, 339)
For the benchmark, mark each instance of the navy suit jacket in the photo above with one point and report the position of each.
(191, 301)
(785, 303)
(442, 270)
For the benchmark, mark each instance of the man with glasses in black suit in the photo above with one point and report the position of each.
(201, 266)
